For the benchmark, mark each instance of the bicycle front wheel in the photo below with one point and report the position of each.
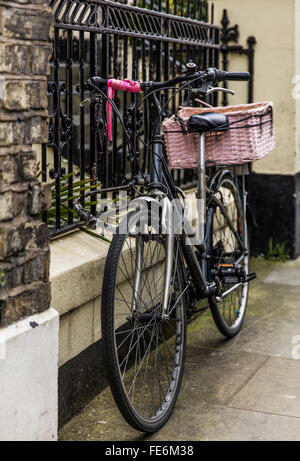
(144, 352)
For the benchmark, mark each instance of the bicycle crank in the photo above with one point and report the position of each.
(246, 279)
(231, 273)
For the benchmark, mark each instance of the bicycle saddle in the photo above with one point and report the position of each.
(206, 122)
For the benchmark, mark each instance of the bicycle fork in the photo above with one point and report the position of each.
(167, 220)
(167, 224)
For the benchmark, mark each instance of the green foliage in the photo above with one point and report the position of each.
(78, 187)
(276, 252)
(180, 8)
(2, 277)
(94, 234)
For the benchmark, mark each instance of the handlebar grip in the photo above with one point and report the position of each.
(238, 76)
(96, 81)
(217, 75)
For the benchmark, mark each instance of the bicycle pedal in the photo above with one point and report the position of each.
(250, 277)
(225, 265)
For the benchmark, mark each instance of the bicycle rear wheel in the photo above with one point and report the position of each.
(224, 249)
(144, 353)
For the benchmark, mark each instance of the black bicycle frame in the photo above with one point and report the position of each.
(160, 176)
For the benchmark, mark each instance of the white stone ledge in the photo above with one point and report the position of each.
(79, 329)
(76, 270)
(28, 384)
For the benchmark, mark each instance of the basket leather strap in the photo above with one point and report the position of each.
(181, 122)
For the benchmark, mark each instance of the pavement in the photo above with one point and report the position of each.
(246, 388)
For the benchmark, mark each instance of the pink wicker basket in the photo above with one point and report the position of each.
(250, 136)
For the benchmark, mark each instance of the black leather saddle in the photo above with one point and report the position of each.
(206, 122)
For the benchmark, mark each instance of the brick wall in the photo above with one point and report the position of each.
(25, 50)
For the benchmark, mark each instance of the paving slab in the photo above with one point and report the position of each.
(213, 423)
(273, 339)
(273, 389)
(287, 275)
(215, 376)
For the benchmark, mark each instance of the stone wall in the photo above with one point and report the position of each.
(25, 51)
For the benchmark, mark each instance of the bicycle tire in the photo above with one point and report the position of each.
(229, 314)
(112, 335)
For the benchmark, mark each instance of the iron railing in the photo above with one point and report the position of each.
(138, 39)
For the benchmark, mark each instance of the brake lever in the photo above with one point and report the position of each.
(224, 90)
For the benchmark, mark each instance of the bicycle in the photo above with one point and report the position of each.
(153, 271)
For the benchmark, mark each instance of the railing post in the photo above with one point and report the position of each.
(232, 34)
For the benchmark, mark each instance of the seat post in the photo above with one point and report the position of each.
(201, 190)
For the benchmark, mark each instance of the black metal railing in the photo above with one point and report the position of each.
(137, 39)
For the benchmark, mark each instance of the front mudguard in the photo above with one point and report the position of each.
(160, 212)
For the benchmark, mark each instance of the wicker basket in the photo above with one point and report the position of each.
(250, 136)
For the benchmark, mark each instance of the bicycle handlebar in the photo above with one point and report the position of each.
(102, 82)
(172, 81)
(209, 76)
